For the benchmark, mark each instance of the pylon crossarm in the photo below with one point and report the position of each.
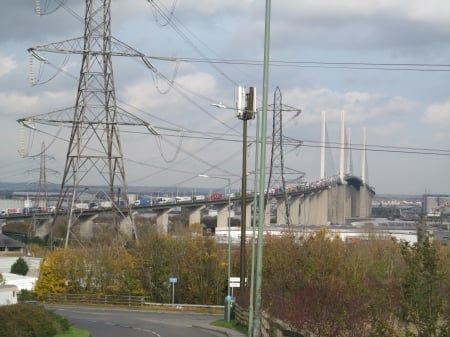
(56, 118)
(76, 46)
(71, 46)
(66, 116)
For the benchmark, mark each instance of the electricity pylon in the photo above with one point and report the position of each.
(94, 154)
(277, 181)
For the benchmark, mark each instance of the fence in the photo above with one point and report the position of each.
(121, 300)
(270, 327)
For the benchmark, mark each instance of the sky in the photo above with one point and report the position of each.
(384, 63)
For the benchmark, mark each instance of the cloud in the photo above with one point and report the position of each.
(215, 6)
(139, 94)
(359, 106)
(17, 104)
(438, 114)
(7, 64)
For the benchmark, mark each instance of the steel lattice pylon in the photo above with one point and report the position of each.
(94, 152)
(42, 186)
(95, 140)
(277, 182)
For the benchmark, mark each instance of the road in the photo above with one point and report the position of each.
(105, 322)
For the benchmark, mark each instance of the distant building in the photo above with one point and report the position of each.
(8, 294)
(435, 204)
(8, 244)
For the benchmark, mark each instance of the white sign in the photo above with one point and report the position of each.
(235, 282)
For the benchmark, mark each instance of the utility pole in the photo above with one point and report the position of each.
(262, 175)
(246, 109)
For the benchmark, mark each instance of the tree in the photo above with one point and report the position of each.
(20, 267)
(321, 284)
(51, 276)
(423, 310)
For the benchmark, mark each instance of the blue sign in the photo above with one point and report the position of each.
(173, 280)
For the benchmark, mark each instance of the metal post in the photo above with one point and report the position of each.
(258, 282)
(243, 267)
(255, 204)
(229, 246)
(173, 292)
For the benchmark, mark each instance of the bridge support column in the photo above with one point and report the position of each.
(304, 209)
(268, 210)
(43, 228)
(365, 202)
(195, 215)
(353, 195)
(295, 210)
(322, 207)
(222, 216)
(87, 227)
(162, 221)
(126, 226)
(339, 202)
(281, 211)
(249, 213)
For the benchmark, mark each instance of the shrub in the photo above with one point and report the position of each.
(26, 295)
(24, 320)
(19, 267)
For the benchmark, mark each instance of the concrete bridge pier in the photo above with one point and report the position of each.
(222, 216)
(267, 212)
(248, 214)
(314, 208)
(195, 214)
(126, 226)
(43, 228)
(87, 227)
(162, 221)
(353, 196)
(322, 207)
(365, 203)
(281, 211)
(295, 210)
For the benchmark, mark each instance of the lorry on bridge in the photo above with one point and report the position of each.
(142, 202)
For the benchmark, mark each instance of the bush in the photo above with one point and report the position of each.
(24, 320)
(19, 267)
(26, 295)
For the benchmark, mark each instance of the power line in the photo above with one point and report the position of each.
(426, 67)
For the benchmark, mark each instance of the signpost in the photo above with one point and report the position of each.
(235, 282)
(173, 280)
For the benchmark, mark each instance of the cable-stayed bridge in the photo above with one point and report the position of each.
(95, 146)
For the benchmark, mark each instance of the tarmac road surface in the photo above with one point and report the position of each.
(110, 322)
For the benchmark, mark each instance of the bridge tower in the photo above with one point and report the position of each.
(278, 173)
(94, 155)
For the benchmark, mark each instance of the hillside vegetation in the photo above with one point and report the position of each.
(316, 282)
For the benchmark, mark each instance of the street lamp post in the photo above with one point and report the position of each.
(229, 233)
